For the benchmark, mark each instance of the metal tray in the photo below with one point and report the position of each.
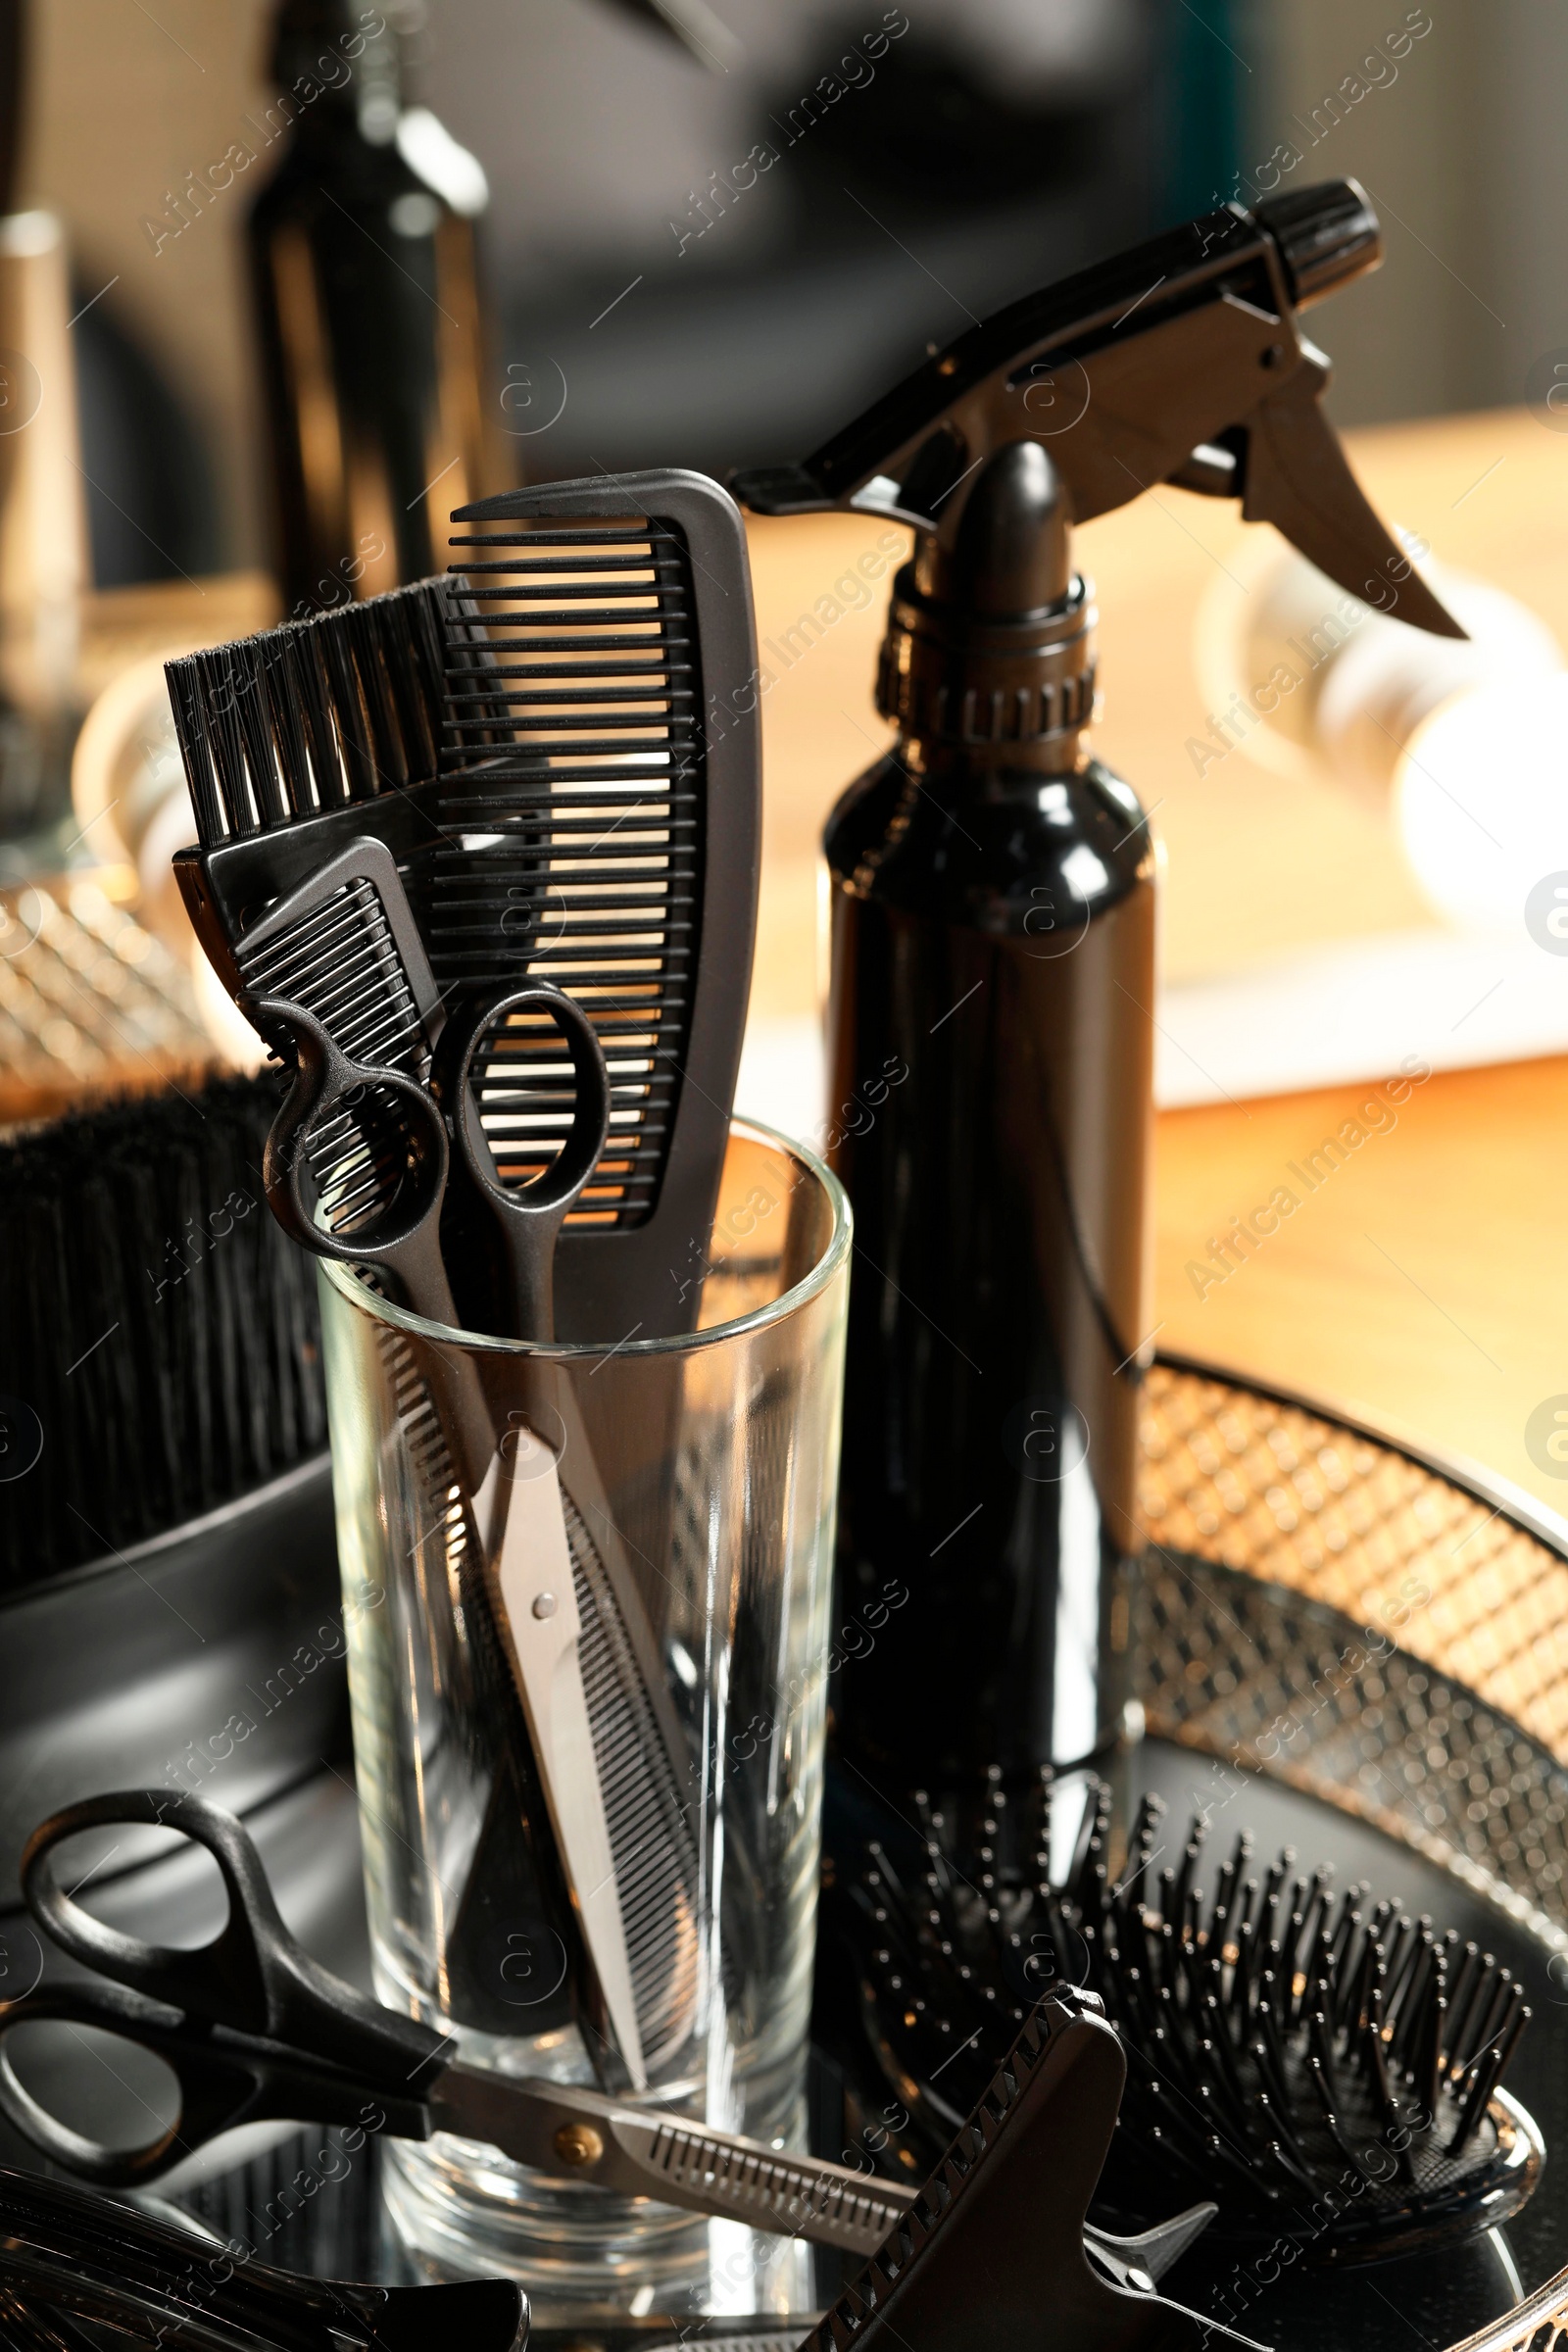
(1279, 1532)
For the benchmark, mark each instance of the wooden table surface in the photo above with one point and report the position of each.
(1426, 1282)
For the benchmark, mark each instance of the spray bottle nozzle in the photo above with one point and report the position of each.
(1327, 236)
(1180, 360)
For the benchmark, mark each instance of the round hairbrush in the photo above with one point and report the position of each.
(1325, 2067)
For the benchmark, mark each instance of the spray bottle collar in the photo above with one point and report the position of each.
(1003, 691)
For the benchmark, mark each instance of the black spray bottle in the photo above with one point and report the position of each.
(992, 976)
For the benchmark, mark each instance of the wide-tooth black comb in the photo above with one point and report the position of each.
(599, 807)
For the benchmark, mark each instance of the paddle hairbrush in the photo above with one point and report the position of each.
(1280, 2043)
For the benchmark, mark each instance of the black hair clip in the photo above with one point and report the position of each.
(993, 2249)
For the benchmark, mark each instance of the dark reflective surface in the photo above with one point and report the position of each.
(310, 2204)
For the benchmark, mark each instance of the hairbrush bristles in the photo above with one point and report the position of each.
(159, 1329)
(1324, 2067)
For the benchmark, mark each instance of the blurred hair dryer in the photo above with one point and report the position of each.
(1464, 741)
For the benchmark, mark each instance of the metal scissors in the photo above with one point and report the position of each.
(377, 1144)
(254, 2030)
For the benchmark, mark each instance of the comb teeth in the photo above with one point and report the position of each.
(1275, 2036)
(571, 812)
(341, 965)
(312, 714)
(858, 2306)
(650, 1838)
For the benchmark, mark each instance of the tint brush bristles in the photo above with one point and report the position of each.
(313, 715)
(1323, 2066)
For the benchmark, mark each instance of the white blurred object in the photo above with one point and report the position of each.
(783, 1077)
(1353, 1010)
(428, 148)
(129, 790)
(222, 1018)
(43, 528)
(1464, 746)
(1305, 676)
(1481, 799)
(1461, 742)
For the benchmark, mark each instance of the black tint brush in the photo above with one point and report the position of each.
(301, 739)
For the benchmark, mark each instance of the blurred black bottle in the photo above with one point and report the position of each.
(990, 1030)
(367, 307)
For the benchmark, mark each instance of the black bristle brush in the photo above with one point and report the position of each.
(312, 754)
(1324, 2068)
(162, 1343)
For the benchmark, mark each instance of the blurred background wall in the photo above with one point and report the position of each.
(649, 306)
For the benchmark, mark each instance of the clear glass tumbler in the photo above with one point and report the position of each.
(696, 1479)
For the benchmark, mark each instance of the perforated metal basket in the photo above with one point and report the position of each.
(1384, 1630)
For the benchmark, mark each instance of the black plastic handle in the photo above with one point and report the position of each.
(1180, 357)
(400, 1235)
(224, 2079)
(253, 1978)
(529, 1218)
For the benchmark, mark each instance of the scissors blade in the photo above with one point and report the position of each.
(644, 2153)
(1155, 2251)
(575, 2133)
(539, 1616)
